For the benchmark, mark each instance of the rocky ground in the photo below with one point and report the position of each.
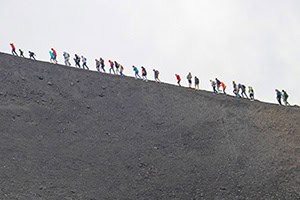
(66, 133)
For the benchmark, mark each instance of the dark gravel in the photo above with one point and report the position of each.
(69, 134)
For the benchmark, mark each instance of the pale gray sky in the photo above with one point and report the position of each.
(253, 42)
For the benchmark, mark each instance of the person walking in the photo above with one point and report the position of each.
(278, 96)
(111, 67)
(117, 67)
(102, 64)
(218, 83)
(54, 56)
(178, 79)
(51, 57)
(13, 49)
(197, 82)
(84, 65)
(136, 72)
(77, 61)
(189, 78)
(285, 96)
(121, 70)
(97, 65)
(31, 55)
(144, 74)
(243, 89)
(67, 58)
(223, 86)
(21, 53)
(156, 74)
(213, 85)
(236, 89)
(251, 93)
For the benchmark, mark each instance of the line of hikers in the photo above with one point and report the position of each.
(13, 51)
(239, 90)
(282, 95)
(115, 67)
(219, 86)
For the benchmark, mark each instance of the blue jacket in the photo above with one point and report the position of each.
(51, 55)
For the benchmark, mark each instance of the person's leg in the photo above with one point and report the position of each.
(15, 52)
(279, 100)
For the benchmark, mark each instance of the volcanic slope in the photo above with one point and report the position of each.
(67, 133)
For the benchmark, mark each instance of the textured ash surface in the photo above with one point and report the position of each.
(66, 133)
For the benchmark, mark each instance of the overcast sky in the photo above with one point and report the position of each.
(255, 42)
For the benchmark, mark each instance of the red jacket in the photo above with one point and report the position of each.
(178, 77)
(111, 63)
(223, 85)
(54, 52)
(12, 46)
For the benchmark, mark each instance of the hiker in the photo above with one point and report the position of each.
(144, 74)
(197, 82)
(236, 89)
(111, 67)
(243, 89)
(136, 72)
(51, 57)
(31, 55)
(156, 74)
(21, 53)
(223, 87)
(97, 65)
(102, 64)
(117, 67)
(189, 78)
(213, 85)
(278, 96)
(285, 96)
(178, 79)
(84, 63)
(218, 82)
(77, 61)
(67, 58)
(121, 70)
(251, 93)
(13, 49)
(54, 56)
